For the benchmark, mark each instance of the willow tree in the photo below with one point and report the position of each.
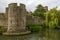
(53, 18)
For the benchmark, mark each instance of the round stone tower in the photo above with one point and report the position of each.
(12, 17)
(22, 17)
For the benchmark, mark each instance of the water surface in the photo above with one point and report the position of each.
(45, 35)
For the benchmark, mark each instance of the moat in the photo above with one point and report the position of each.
(50, 35)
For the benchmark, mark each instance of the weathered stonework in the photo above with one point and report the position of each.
(30, 19)
(17, 18)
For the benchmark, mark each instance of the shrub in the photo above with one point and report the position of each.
(34, 27)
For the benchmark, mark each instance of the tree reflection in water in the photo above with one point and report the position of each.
(44, 35)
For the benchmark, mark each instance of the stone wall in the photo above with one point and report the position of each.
(3, 19)
(22, 17)
(30, 19)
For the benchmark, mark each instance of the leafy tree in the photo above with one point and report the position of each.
(53, 18)
(39, 11)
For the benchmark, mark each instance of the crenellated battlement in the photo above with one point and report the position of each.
(22, 6)
(12, 4)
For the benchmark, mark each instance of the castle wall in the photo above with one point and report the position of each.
(12, 17)
(30, 19)
(22, 18)
(3, 21)
(16, 18)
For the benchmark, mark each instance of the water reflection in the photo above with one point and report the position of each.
(46, 35)
(52, 35)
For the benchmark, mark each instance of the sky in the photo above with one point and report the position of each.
(30, 4)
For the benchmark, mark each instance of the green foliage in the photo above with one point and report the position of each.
(53, 18)
(35, 28)
(39, 11)
(58, 27)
